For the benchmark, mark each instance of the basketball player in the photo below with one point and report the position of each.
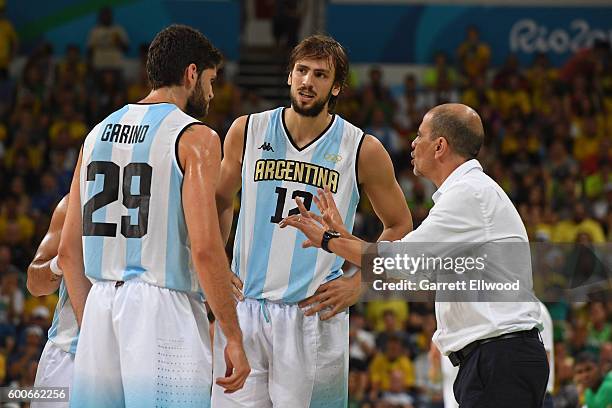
(142, 208)
(45, 277)
(298, 359)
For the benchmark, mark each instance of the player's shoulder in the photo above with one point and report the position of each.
(370, 146)
(350, 129)
(257, 123)
(240, 123)
(198, 131)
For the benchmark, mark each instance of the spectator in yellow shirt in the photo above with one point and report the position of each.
(582, 223)
(72, 65)
(474, 54)
(477, 94)
(376, 309)
(9, 215)
(393, 359)
(586, 144)
(540, 74)
(513, 96)
(69, 120)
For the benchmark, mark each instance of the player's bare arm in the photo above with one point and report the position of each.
(377, 178)
(41, 278)
(229, 184)
(231, 175)
(71, 249)
(200, 156)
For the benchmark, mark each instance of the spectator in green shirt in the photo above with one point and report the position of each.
(595, 385)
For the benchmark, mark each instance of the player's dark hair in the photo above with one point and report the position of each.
(323, 47)
(173, 49)
(464, 138)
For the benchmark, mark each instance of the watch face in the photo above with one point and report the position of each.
(327, 236)
(332, 234)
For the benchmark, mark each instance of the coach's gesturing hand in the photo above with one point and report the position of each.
(310, 224)
(330, 217)
(237, 368)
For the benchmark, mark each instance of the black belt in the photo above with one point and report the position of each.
(457, 357)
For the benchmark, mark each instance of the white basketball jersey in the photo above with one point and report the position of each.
(133, 222)
(64, 331)
(271, 261)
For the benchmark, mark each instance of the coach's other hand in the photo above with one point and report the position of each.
(337, 295)
(237, 368)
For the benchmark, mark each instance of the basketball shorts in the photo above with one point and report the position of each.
(142, 346)
(296, 361)
(55, 369)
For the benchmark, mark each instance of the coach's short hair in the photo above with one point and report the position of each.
(464, 138)
(173, 49)
(323, 47)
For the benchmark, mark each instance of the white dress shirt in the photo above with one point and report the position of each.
(471, 207)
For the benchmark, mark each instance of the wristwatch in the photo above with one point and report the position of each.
(328, 236)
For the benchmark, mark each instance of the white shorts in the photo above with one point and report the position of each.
(296, 361)
(142, 346)
(54, 370)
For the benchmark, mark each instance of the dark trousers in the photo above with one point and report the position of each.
(504, 373)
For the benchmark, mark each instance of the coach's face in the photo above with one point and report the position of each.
(199, 100)
(312, 84)
(423, 149)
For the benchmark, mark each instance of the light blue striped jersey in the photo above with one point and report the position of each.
(133, 222)
(271, 261)
(64, 331)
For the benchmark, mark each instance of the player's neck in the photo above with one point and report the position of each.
(173, 95)
(304, 129)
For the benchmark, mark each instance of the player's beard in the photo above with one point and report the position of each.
(197, 105)
(314, 110)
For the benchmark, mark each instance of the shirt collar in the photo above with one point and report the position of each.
(455, 176)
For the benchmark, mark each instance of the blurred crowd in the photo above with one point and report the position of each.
(548, 144)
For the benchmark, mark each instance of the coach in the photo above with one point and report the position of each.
(502, 362)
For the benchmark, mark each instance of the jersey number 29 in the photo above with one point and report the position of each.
(110, 193)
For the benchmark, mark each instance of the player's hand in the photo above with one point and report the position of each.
(310, 224)
(237, 368)
(330, 216)
(337, 295)
(237, 287)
